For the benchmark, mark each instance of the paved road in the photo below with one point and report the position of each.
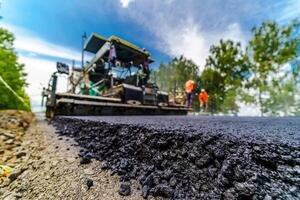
(193, 157)
(284, 130)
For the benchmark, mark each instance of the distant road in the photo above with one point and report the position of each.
(284, 130)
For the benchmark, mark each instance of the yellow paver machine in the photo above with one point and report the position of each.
(115, 82)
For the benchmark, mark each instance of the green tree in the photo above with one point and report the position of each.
(270, 49)
(172, 77)
(225, 73)
(13, 74)
(295, 68)
(283, 93)
(212, 81)
(263, 68)
(283, 99)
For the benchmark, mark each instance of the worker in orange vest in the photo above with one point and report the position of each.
(203, 99)
(189, 90)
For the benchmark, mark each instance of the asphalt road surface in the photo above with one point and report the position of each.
(193, 157)
(257, 129)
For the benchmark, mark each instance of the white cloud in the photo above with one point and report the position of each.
(179, 31)
(189, 41)
(248, 110)
(194, 43)
(125, 3)
(234, 33)
(290, 11)
(29, 42)
(39, 72)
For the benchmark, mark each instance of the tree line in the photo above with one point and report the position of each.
(12, 75)
(265, 73)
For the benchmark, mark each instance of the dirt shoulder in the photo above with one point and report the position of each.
(50, 169)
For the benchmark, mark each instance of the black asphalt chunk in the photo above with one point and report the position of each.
(195, 157)
(86, 159)
(125, 189)
(89, 183)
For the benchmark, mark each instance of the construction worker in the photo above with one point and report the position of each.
(141, 76)
(189, 90)
(203, 99)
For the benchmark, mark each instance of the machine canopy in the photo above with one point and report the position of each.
(94, 43)
(126, 52)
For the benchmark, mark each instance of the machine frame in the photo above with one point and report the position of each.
(133, 98)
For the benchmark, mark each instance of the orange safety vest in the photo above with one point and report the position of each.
(189, 86)
(203, 97)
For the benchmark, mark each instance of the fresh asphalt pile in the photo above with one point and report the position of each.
(188, 157)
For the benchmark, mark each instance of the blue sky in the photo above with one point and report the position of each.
(47, 31)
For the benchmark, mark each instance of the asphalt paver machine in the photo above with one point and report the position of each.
(114, 82)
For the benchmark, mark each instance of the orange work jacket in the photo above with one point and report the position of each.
(189, 86)
(203, 97)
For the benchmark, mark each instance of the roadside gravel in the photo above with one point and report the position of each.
(51, 169)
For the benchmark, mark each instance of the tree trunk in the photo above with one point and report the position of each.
(260, 102)
(174, 91)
